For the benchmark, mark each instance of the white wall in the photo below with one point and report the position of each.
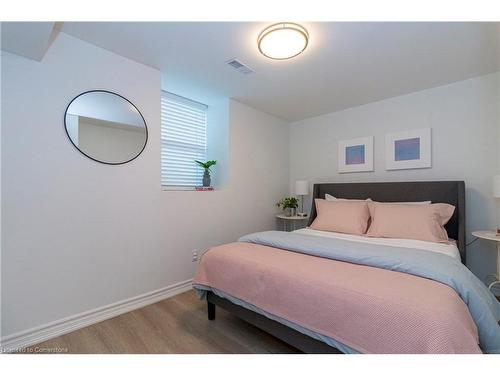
(465, 125)
(78, 235)
(218, 141)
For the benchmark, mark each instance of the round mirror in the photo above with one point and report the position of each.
(105, 127)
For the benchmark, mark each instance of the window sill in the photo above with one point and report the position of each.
(184, 188)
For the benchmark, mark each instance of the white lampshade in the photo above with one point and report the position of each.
(496, 186)
(301, 187)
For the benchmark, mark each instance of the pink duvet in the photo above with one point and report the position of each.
(369, 309)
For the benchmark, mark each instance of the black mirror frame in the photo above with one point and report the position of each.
(90, 157)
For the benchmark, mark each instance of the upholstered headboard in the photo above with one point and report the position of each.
(451, 192)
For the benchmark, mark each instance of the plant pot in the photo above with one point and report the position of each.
(291, 211)
(206, 178)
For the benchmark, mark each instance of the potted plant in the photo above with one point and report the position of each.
(290, 204)
(206, 166)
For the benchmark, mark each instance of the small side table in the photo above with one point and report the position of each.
(491, 236)
(290, 222)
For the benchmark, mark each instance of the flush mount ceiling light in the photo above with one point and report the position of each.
(283, 41)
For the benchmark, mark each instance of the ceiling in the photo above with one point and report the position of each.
(28, 39)
(345, 64)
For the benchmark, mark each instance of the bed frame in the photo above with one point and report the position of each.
(451, 192)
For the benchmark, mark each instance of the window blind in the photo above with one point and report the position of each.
(183, 140)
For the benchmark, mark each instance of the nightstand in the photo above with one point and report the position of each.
(491, 236)
(291, 222)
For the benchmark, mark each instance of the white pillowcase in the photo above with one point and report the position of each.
(422, 203)
(331, 198)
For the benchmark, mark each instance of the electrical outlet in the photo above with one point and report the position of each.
(194, 255)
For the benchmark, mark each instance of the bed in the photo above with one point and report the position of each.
(313, 310)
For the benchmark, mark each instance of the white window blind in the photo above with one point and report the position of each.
(183, 140)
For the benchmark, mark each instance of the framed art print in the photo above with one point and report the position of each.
(356, 155)
(408, 149)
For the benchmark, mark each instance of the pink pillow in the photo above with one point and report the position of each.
(416, 222)
(341, 216)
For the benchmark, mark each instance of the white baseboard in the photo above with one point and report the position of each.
(60, 327)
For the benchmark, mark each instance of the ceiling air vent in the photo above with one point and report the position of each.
(239, 66)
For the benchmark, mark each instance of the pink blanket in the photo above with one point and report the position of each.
(369, 309)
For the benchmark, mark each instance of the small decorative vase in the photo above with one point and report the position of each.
(292, 211)
(206, 178)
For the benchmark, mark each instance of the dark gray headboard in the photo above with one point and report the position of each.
(451, 192)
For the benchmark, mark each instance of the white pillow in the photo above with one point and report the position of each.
(331, 198)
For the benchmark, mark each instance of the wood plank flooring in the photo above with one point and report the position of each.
(175, 325)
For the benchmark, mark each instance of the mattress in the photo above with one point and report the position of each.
(449, 249)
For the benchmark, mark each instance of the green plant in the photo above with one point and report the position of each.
(206, 165)
(288, 202)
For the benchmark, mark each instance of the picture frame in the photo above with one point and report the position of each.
(408, 149)
(355, 155)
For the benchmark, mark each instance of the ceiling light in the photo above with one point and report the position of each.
(283, 41)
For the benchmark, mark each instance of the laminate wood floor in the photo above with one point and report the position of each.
(174, 325)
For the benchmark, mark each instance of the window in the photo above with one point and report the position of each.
(183, 140)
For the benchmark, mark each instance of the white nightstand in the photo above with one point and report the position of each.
(290, 222)
(491, 236)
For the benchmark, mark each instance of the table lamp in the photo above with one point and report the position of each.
(496, 194)
(301, 189)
